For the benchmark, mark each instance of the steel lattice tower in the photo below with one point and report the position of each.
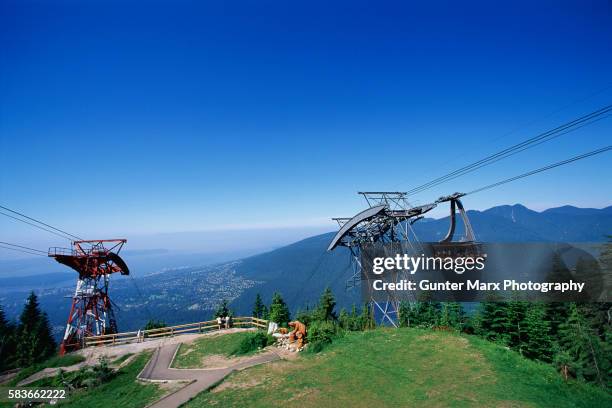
(388, 220)
(91, 312)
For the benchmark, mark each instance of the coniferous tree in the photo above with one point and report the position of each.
(7, 342)
(516, 332)
(304, 315)
(355, 324)
(426, 312)
(259, 307)
(155, 324)
(457, 315)
(494, 320)
(404, 314)
(265, 314)
(563, 361)
(35, 341)
(327, 303)
(585, 349)
(344, 319)
(279, 312)
(556, 313)
(223, 309)
(451, 315)
(538, 343)
(366, 319)
(430, 313)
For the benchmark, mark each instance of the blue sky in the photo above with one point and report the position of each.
(134, 118)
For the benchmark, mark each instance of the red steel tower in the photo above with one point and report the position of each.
(91, 313)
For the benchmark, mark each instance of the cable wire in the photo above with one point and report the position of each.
(21, 250)
(541, 169)
(39, 222)
(526, 144)
(36, 226)
(517, 151)
(532, 122)
(23, 247)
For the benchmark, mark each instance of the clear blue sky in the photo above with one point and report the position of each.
(121, 118)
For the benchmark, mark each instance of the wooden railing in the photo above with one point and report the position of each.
(144, 335)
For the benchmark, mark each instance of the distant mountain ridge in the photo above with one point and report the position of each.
(300, 271)
(186, 291)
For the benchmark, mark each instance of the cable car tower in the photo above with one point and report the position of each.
(389, 219)
(91, 313)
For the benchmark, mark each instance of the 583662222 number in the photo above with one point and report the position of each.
(33, 394)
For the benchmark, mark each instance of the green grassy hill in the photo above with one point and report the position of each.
(383, 367)
(404, 367)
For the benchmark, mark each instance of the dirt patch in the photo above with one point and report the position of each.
(302, 394)
(234, 385)
(429, 336)
(221, 361)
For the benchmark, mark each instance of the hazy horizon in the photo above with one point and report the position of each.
(216, 244)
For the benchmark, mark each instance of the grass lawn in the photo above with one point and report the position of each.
(404, 367)
(190, 355)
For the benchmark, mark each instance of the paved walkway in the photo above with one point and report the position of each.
(158, 369)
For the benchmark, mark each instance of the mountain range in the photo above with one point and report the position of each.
(299, 271)
(302, 270)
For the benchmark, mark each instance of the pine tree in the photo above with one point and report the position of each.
(155, 324)
(556, 314)
(304, 315)
(404, 314)
(516, 331)
(222, 309)
(586, 351)
(35, 341)
(426, 312)
(7, 342)
(259, 307)
(599, 315)
(355, 324)
(327, 303)
(451, 315)
(265, 314)
(538, 343)
(344, 319)
(366, 318)
(493, 317)
(279, 312)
